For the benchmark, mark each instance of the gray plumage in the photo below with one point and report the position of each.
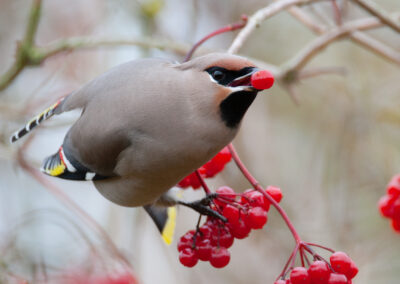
(148, 123)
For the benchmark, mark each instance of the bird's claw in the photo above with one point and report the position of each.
(203, 206)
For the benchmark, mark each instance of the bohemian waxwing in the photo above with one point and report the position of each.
(148, 123)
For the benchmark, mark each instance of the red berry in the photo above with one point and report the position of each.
(186, 241)
(231, 213)
(239, 230)
(396, 209)
(385, 205)
(319, 272)
(254, 198)
(256, 218)
(226, 239)
(219, 257)
(205, 231)
(262, 80)
(336, 278)
(217, 164)
(393, 187)
(340, 262)
(275, 193)
(227, 193)
(396, 225)
(299, 275)
(352, 271)
(188, 257)
(204, 250)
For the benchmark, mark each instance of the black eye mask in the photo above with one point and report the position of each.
(224, 76)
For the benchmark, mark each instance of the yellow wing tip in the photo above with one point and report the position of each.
(169, 229)
(57, 170)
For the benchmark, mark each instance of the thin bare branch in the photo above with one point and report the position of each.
(358, 37)
(316, 46)
(259, 16)
(309, 73)
(304, 18)
(380, 13)
(376, 46)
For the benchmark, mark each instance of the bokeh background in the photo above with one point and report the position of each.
(332, 154)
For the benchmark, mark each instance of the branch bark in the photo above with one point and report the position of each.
(380, 13)
(259, 16)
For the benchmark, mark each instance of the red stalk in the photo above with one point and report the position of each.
(228, 28)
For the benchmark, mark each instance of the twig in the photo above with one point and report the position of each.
(336, 12)
(304, 18)
(316, 46)
(259, 16)
(362, 39)
(24, 55)
(85, 43)
(309, 73)
(377, 11)
(258, 187)
(228, 28)
(29, 54)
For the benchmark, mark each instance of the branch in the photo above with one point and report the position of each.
(24, 48)
(316, 46)
(259, 16)
(362, 39)
(380, 13)
(72, 44)
(29, 54)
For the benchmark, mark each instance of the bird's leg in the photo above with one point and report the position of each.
(203, 206)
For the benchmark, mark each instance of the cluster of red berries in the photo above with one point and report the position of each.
(208, 170)
(341, 270)
(211, 241)
(389, 204)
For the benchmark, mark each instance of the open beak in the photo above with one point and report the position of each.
(255, 80)
(244, 81)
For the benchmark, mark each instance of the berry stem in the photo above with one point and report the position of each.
(291, 257)
(302, 257)
(203, 183)
(258, 187)
(319, 246)
(228, 28)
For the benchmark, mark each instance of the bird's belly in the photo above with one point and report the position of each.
(131, 191)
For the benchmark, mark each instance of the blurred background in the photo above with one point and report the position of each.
(332, 153)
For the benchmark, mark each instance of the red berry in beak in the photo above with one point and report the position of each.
(262, 80)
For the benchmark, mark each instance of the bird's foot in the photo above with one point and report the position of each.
(203, 206)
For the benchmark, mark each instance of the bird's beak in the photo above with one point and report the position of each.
(245, 81)
(255, 80)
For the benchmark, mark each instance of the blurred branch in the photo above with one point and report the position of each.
(259, 16)
(304, 18)
(380, 13)
(362, 39)
(71, 44)
(305, 74)
(29, 54)
(25, 54)
(316, 46)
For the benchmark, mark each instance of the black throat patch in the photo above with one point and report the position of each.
(234, 107)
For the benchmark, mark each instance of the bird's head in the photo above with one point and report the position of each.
(231, 81)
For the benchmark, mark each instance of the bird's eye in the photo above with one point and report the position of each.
(218, 75)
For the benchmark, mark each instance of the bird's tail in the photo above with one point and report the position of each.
(46, 114)
(165, 219)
